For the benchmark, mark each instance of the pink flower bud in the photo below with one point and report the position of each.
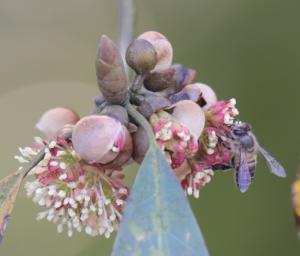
(124, 156)
(55, 119)
(190, 115)
(98, 139)
(162, 47)
(201, 93)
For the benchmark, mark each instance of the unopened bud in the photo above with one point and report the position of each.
(141, 56)
(140, 145)
(98, 139)
(162, 47)
(117, 112)
(65, 132)
(111, 72)
(171, 79)
(99, 100)
(54, 119)
(151, 104)
(190, 115)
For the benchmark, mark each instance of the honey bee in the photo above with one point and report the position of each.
(245, 150)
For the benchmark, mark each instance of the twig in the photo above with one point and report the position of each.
(137, 83)
(126, 24)
(40, 156)
(140, 119)
(34, 162)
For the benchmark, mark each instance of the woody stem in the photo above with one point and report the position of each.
(126, 25)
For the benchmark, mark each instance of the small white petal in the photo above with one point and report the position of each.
(107, 201)
(81, 179)
(52, 192)
(42, 202)
(115, 149)
(107, 234)
(123, 191)
(199, 175)
(38, 140)
(21, 160)
(71, 212)
(61, 153)
(112, 217)
(87, 198)
(62, 194)
(71, 201)
(60, 228)
(93, 208)
(63, 165)
(63, 176)
(89, 230)
(72, 185)
(101, 230)
(41, 215)
(190, 190)
(119, 202)
(57, 204)
(70, 233)
(52, 144)
(196, 193)
(233, 101)
(53, 163)
(210, 151)
(84, 210)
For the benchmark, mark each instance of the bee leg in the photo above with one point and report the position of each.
(221, 167)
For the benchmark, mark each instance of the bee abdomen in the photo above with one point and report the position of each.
(252, 168)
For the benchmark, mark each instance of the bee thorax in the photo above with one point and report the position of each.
(248, 142)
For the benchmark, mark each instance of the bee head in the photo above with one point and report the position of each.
(241, 129)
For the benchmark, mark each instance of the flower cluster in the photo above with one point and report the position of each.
(77, 195)
(195, 158)
(80, 179)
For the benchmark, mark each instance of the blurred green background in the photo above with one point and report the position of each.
(248, 49)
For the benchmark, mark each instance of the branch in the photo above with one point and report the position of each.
(126, 24)
(140, 119)
(34, 162)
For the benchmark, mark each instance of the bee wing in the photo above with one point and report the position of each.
(274, 166)
(243, 176)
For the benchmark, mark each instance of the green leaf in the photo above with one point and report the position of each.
(158, 219)
(9, 187)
